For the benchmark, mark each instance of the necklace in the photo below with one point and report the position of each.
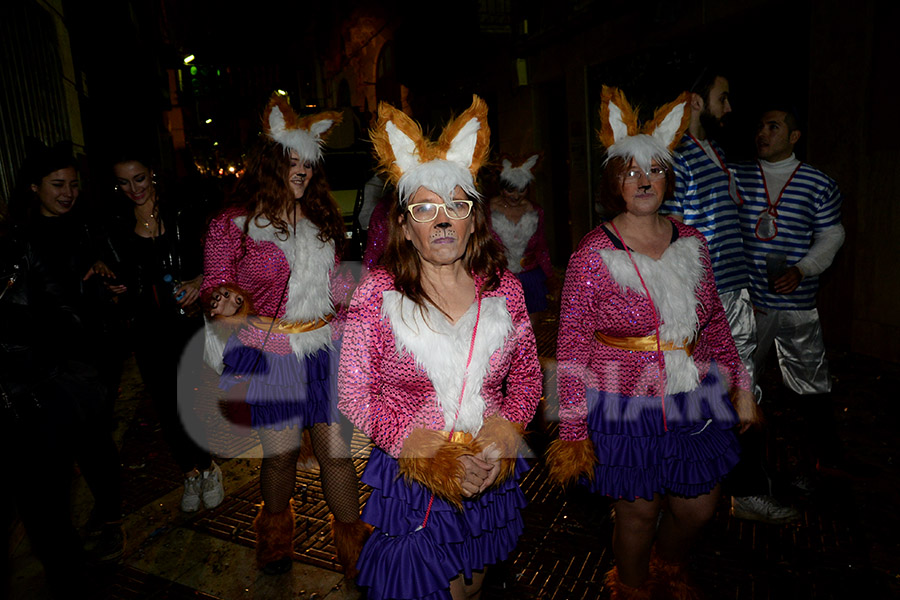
(151, 219)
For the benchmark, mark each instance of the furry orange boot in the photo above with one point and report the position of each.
(621, 591)
(274, 540)
(349, 539)
(670, 580)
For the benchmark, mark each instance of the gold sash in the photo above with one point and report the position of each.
(281, 326)
(646, 343)
(460, 437)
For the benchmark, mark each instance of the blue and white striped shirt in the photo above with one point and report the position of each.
(703, 201)
(809, 203)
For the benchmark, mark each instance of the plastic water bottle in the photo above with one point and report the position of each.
(174, 284)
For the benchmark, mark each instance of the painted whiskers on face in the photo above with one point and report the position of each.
(441, 241)
(300, 175)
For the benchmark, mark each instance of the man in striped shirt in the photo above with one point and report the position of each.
(706, 198)
(791, 224)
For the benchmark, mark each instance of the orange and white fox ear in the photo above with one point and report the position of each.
(530, 162)
(319, 125)
(398, 140)
(617, 119)
(466, 140)
(670, 121)
(304, 136)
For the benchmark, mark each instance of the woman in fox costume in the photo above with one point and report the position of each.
(650, 384)
(520, 225)
(439, 367)
(272, 289)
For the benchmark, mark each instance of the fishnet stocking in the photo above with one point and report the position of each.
(339, 481)
(278, 475)
(279, 469)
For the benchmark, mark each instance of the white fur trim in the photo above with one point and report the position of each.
(307, 144)
(673, 281)
(213, 346)
(309, 286)
(405, 153)
(616, 123)
(441, 348)
(440, 176)
(515, 236)
(462, 148)
(666, 131)
(643, 148)
(518, 177)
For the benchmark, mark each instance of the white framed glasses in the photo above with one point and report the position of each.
(425, 212)
(634, 175)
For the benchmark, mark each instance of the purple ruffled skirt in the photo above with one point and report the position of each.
(639, 457)
(283, 391)
(400, 560)
(534, 286)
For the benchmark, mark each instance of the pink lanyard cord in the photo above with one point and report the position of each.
(659, 354)
(461, 393)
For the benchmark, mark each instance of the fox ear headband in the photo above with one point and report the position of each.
(518, 173)
(412, 161)
(303, 135)
(624, 138)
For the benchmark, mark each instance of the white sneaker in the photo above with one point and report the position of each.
(764, 509)
(211, 487)
(190, 500)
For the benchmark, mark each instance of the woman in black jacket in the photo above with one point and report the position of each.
(159, 246)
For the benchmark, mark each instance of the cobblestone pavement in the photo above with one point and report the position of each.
(847, 544)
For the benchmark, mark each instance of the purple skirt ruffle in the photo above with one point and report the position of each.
(402, 561)
(283, 391)
(639, 458)
(534, 286)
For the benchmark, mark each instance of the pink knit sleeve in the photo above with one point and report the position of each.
(342, 284)
(524, 382)
(573, 351)
(360, 377)
(537, 250)
(220, 249)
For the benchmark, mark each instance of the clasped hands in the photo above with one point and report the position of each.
(224, 302)
(480, 470)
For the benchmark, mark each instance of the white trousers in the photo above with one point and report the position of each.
(800, 346)
(739, 312)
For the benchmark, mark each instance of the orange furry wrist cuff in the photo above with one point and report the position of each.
(568, 460)
(504, 436)
(428, 458)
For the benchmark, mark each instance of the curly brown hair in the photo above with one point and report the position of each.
(611, 188)
(264, 192)
(484, 256)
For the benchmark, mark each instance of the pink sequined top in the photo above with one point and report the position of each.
(309, 284)
(602, 293)
(536, 254)
(377, 234)
(397, 375)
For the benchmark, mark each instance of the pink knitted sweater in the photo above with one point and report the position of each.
(602, 292)
(400, 370)
(296, 278)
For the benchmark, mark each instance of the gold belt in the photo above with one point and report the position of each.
(646, 343)
(460, 437)
(281, 326)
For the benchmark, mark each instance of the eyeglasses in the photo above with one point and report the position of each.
(426, 212)
(634, 175)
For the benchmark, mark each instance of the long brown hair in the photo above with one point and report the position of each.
(264, 192)
(483, 257)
